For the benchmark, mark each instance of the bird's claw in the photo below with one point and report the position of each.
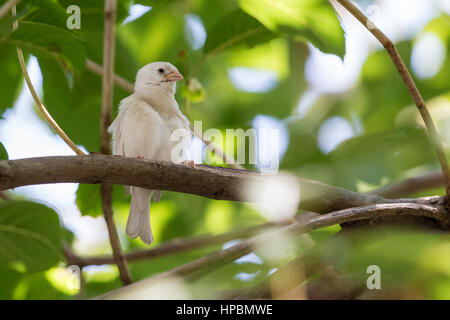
(189, 163)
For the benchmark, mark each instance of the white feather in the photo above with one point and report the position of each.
(143, 128)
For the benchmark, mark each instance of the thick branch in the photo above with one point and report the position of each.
(410, 84)
(205, 264)
(211, 182)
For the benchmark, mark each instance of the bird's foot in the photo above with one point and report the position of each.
(140, 157)
(189, 163)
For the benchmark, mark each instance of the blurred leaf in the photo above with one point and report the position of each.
(92, 12)
(49, 41)
(67, 235)
(372, 157)
(30, 234)
(153, 3)
(305, 20)
(195, 90)
(89, 201)
(400, 254)
(3, 152)
(9, 279)
(75, 109)
(144, 37)
(10, 77)
(47, 12)
(383, 94)
(235, 29)
(36, 286)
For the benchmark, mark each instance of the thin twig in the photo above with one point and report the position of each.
(128, 86)
(209, 263)
(410, 84)
(5, 196)
(411, 185)
(170, 247)
(7, 6)
(187, 100)
(105, 121)
(120, 81)
(119, 258)
(38, 102)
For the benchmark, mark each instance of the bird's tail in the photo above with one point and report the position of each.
(138, 224)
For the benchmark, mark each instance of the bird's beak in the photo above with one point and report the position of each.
(174, 76)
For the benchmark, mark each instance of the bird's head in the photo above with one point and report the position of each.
(157, 77)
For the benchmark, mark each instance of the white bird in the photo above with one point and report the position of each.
(143, 129)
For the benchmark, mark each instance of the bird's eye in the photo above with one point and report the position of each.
(161, 70)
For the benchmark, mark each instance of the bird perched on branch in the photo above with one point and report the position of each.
(145, 128)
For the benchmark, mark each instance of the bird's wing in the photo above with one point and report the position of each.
(116, 130)
(138, 131)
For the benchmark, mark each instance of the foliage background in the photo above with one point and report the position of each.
(247, 64)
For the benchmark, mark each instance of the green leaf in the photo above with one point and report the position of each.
(234, 29)
(3, 152)
(195, 90)
(153, 3)
(30, 235)
(304, 20)
(10, 77)
(92, 12)
(371, 157)
(47, 40)
(47, 12)
(73, 108)
(74, 100)
(9, 279)
(89, 200)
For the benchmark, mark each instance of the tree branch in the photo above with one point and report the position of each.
(399, 189)
(205, 264)
(171, 247)
(118, 80)
(411, 185)
(410, 84)
(206, 181)
(35, 96)
(7, 6)
(105, 121)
